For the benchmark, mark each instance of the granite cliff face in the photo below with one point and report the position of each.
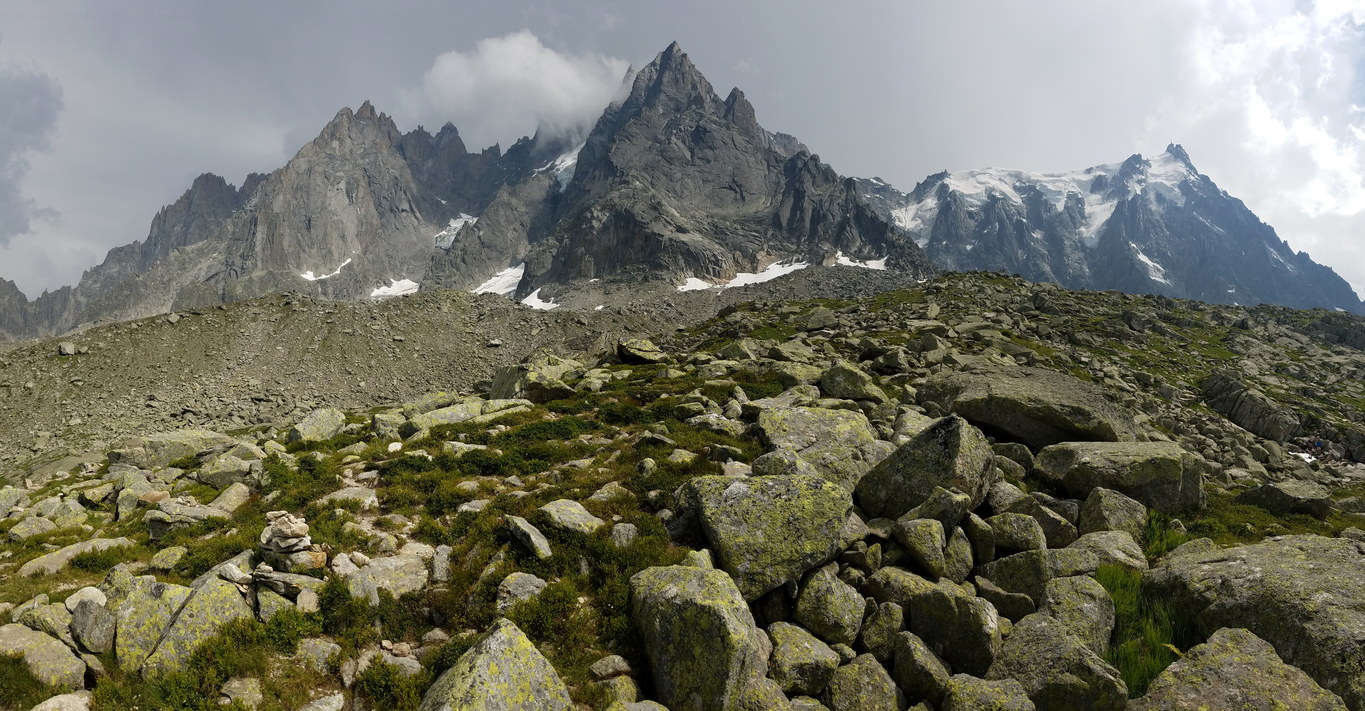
(1147, 226)
(672, 183)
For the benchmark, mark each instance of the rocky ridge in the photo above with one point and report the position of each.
(872, 503)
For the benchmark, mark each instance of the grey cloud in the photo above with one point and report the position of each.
(29, 105)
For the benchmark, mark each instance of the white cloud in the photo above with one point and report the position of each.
(509, 86)
(1270, 107)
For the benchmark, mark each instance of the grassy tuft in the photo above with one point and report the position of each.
(1148, 632)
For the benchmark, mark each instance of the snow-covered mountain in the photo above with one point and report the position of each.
(1142, 225)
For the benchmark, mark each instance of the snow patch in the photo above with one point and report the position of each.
(311, 277)
(770, 272)
(446, 237)
(504, 282)
(1155, 271)
(1306, 457)
(396, 287)
(564, 166)
(535, 302)
(599, 307)
(878, 264)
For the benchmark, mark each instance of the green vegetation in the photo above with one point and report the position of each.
(1149, 633)
(241, 648)
(385, 687)
(19, 690)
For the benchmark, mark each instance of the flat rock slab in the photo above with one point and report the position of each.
(50, 661)
(158, 450)
(50, 563)
(840, 444)
(1161, 475)
(212, 605)
(1035, 406)
(1303, 594)
(398, 574)
(769, 530)
(1235, 669)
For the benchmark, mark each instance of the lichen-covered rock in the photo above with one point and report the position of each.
(1161, 475)
(846, 381)
(47, 659)
(539, 380)
(1036, 406)
(1109, 510)
(93, 626)
(768, 531)
(949, 453)
(317, 426)
(918, 671)
(800, 663)
(30, 527)
(1016, 532)
(699, 636)
(1057, 670)
(639, 351)
(157, 450)
(1083, 607)
(530, 536)
(570, 517)
(923, 539)
(516, 588)
(212, 605)
(1057, 531)
(143, 613)
(962, 629)
(841, 445)
(398, 574)
(503, 671)
(1028, 572)
(1235, 669)
(880, 629)
(50, 563)
(1303, 594)
(968, 693)
(1291, 496)
(861, 685)
(830, 607)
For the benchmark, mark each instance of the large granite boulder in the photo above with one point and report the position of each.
(768, 531)
(1291, 496)
(801, 664)
(968, 693)
(830, 607)
(1056, 668)
(840, 444)
(1249, 408)
(861, 685)
(503, 671)
(1303, 594)
(1235, 669)
(144, 609)
(317, 426)
(699, 636)
(397, 574)
(1161, 475)
(158, 450)
(1035, 406)
(213, 604)
(949, 453)
(47, 659)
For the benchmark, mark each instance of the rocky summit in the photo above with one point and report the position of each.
(840, 489)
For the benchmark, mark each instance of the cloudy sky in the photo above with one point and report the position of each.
(109, 110)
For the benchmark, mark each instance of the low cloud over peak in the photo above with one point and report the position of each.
(510, 86)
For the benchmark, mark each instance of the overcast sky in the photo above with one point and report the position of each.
(109, 110)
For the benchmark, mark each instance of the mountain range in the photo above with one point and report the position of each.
(673, 186)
